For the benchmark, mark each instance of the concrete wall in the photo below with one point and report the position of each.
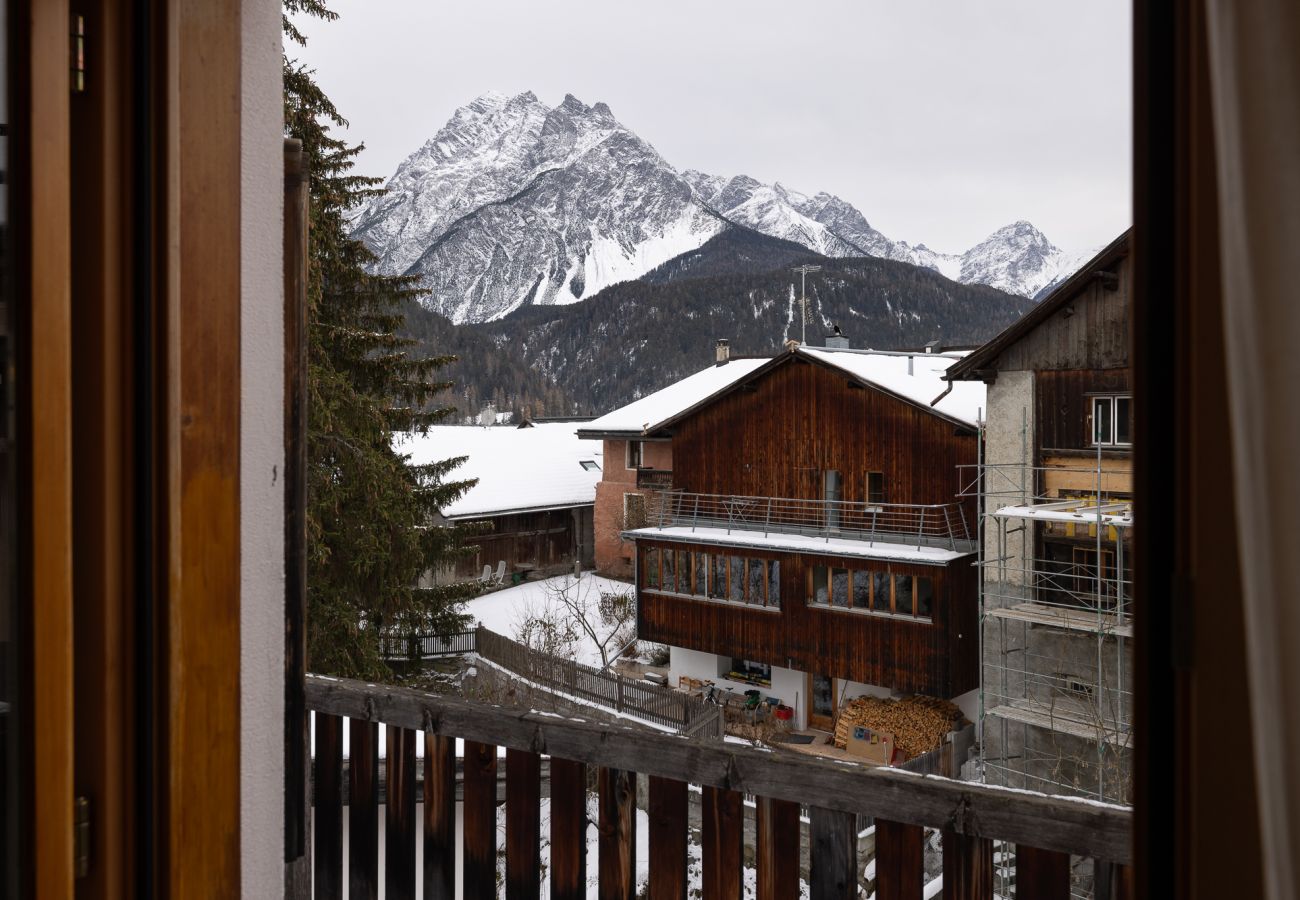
(261, 461)
(1008, 442)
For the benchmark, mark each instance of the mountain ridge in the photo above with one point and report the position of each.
(514, 203)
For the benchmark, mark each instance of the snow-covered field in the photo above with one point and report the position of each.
(501, 611)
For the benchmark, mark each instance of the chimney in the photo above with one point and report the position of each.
(909, 364)
(837, 341)
(722, 351)
(934, 346)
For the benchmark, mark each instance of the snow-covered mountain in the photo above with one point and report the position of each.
(1017, 258)
(513, 203)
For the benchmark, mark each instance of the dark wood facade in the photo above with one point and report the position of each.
(777, 435)
(938, 657)
(546, 541)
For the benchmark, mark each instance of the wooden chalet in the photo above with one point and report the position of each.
(810, 541)
(533, 493)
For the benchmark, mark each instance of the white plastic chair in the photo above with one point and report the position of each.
(486, 577)
(500, 577)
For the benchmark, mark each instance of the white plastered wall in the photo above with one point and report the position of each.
(261, 460)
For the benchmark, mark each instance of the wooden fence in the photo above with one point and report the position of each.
(654, 703)
(427, 646)
(1047, 831)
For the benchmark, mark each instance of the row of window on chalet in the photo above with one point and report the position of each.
(757, 582)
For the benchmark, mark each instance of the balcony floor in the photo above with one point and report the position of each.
(827, 545)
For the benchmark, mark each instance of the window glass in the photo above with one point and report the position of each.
(683, 571)
(1123, 420)
(1101, 420)
(670, 570)
(840, 587)
(820, 585)
(924, 596)
(652, 568)
(701, 574)
(719, 587)
(903, 594)
(875, 487)
(737, 579)
(757, 581)
(880, 591)
(633, 454)
(774, 583)
(862, 590)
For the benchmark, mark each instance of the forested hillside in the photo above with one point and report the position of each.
(634, 338)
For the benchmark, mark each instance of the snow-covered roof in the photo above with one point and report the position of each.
(917, 377)
(641, 416)
(800, 543)
(518, 468)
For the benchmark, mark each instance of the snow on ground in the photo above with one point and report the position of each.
(500, 611)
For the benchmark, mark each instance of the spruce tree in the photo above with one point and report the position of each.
(370, 518)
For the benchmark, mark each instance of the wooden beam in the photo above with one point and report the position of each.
(1042, 874)
(43, 200)
(328, 825)
(479, 827)
(722, 842)
(833, 855)
(900, 861)
(778, 843)
(668, 829)
(399, 812)
(523, 825)
(1073, 826)
(967, 867)
(617, 827)
(439, 817)
(201, 823)
(568, 830)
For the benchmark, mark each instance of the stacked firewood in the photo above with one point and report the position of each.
(918, 723)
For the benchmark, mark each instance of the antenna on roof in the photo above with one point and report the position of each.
(803, 299)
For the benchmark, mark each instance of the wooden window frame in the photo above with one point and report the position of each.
(1113, 399)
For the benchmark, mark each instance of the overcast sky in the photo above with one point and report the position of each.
(941, 121)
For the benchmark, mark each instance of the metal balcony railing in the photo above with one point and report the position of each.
(941, 525)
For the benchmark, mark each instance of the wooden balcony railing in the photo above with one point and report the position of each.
(1046, 831)
(932, 525)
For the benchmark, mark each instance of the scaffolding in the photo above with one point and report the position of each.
(1056, 627)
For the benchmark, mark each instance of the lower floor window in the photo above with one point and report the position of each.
(746, 670)
(717, 576)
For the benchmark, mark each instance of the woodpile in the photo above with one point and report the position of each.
(918, 723)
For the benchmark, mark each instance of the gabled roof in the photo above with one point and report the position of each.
(640, 417)
(972, 368)
(519, 469)
(916, 378)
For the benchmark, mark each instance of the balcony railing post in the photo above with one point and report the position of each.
(617, 829)
(328, 826)
(920, 529)
(523, 825)
(778, 868)
(767, 518)
(439, 817)
(363, 809)
(399, 815)
(568, 830)
(967, 867)
(723, 821)
(695, 516)
(952, 539)
(480, 821)
(833, 856)
(668, 828)
(900, 861)
(1042, 873)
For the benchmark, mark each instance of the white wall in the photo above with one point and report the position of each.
(261, 462)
